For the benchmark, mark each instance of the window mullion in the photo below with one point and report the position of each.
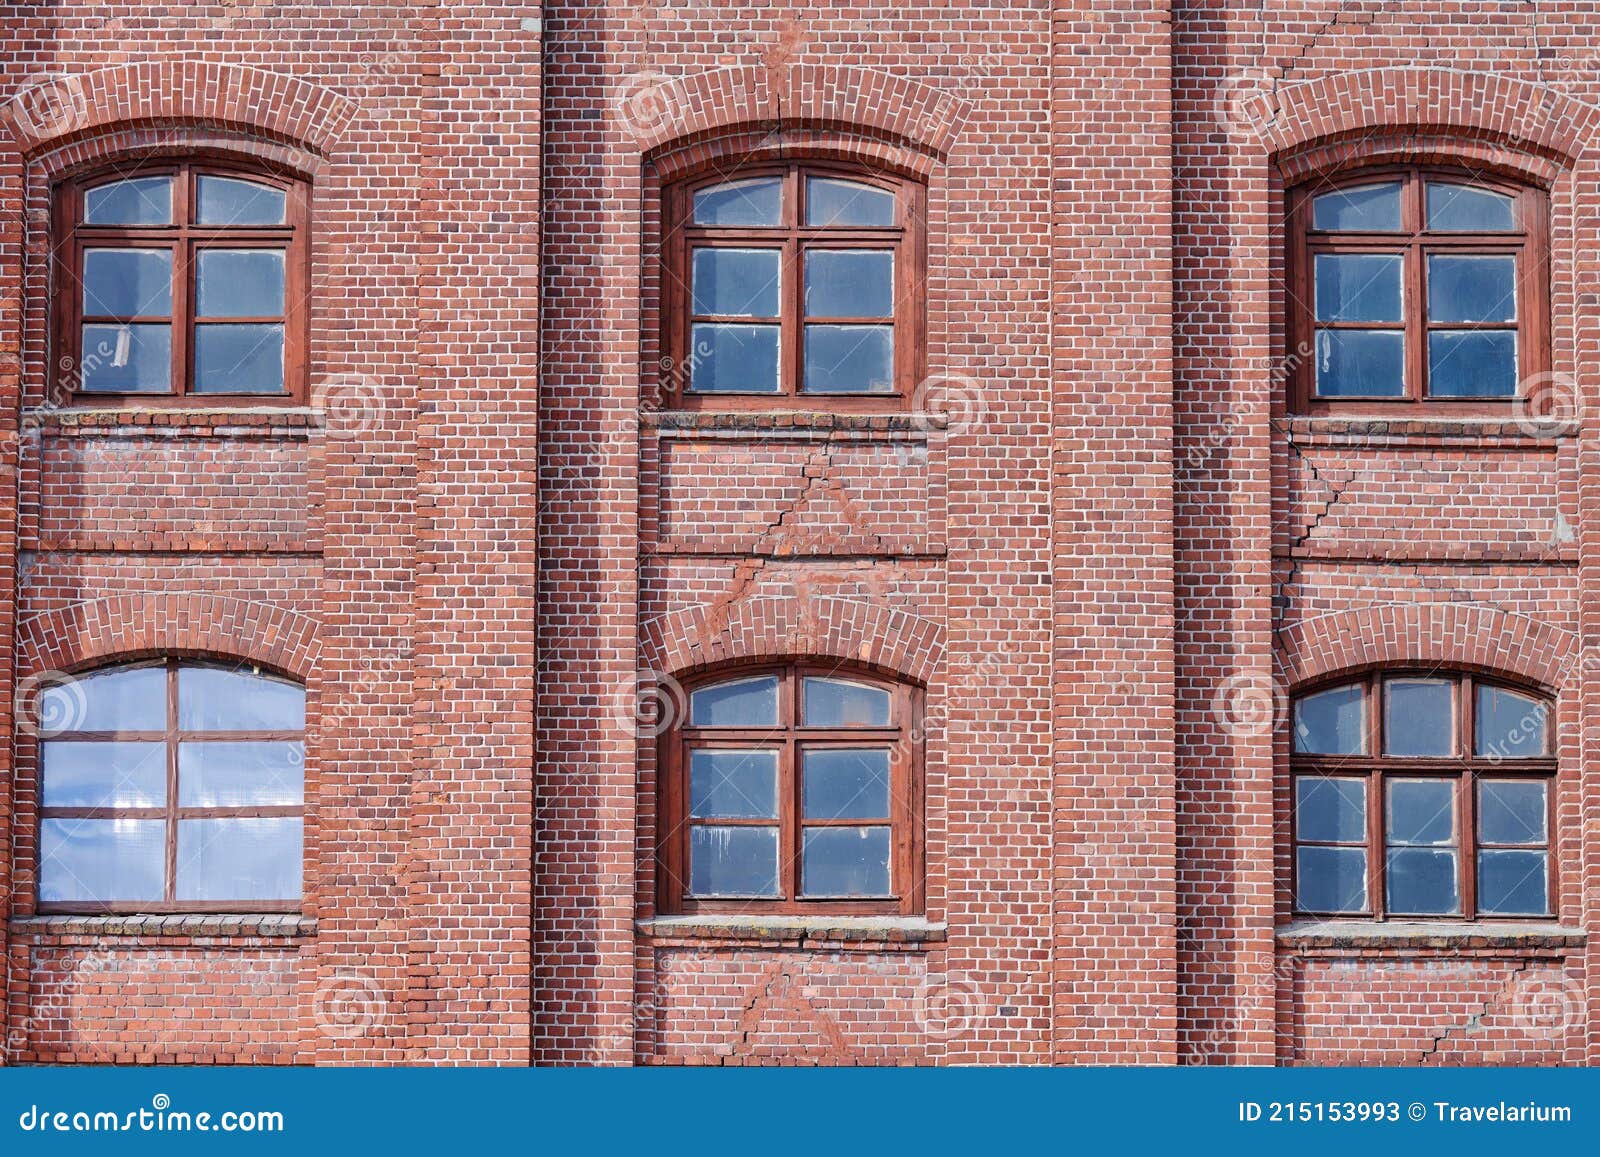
(171, 889)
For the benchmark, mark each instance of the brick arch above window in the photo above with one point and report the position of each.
(119, 627)
(694, 639)
(1494, 107)
(1424, 634)
(667, 113)
(74, 106)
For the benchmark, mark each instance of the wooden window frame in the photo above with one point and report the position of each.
(1529, 243)
(170, 813)
(70, 237)
(1465, 770)
(905, 239)
(904, 739)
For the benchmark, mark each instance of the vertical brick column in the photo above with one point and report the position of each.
(588, 454)
(1111, 499)
(11, 241)
(470, 857)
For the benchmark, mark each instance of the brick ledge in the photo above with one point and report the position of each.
(207, 421)
(796, 930)
(1358, 934)
(198, 924)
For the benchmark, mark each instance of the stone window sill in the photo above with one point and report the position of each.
(223, 925)
(1376, 430)
(795, 424)
(290, 421)
(796, 931)
(1334, 934)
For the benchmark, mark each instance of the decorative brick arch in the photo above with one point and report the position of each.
(1490, 106)
(1449, 634)
(192, 94)
(850, 630)
(664, 110)
(129, 626)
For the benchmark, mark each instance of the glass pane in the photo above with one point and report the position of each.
(244, 774)
(1365, 208)
(747, 203)
(122, 699)
(92, 774)
(1419, 718)
(849, 359)
(1509, 725)
(1358, 287)
(1465, 209)
(217, 699)
(733, 861)
(102, 860)
(1330, 809)
(845, 783)
(845, 862)
(1472, 288)
(1479, 364)
(1421, 811)
(238, 359)
(1422, 882)
(226, 201)
(126, 359)
(742, 703)
(834, 202)
(239, 283)
(137, 201)
(127, 282)
(849, 283)
(1331, 879)
(1513, 883)
(733, 784)
(1332, 722)
(1360, 363)
(734, 358)
(842, 703)
(239, 859)
(1512, 811)
(736, 281)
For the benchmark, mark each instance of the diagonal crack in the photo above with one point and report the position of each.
(1476, 1018)
(1281, 600)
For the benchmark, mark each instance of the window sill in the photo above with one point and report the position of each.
(1379, 430)
(796, 424)
(223, 925)
(286, 419)
(1314, 934)
(796, 931)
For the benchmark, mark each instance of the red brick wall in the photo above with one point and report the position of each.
(1102, 544)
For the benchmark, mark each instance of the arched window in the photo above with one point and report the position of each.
(180, 279)
(171, 787)
(793, 284)
(1423, 794)
(793, 789)
(1416, 289)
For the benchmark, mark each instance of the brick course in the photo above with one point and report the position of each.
(1099, 539)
